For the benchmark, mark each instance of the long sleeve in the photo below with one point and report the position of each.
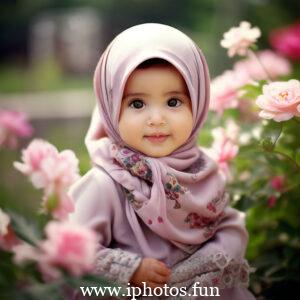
(97, 207)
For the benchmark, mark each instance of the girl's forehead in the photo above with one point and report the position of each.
(164, 77)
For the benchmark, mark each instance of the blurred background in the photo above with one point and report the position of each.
(49, 49)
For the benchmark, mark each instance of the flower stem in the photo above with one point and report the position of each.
(288, 158)
(252, 54)
(278, 136)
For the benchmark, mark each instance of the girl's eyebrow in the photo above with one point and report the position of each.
(145, 94)
(134, 95)
(176, 93)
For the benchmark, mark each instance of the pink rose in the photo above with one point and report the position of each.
(280, 101)
(13, 124)
(61, 169)
(46, 166)
(225, 90)
(238, 39)
(225, 148)
(69, 246)
(277, 183)
(33, 157)
(270, 62)
(52, 171)
(287, 41)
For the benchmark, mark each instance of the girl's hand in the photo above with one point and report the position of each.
(152, 271)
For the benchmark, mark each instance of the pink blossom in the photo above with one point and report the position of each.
(13, 124)
(34, 156)
(269, 64)
(280, 101)
(24, 252)
(277, 183)
(287, 41)
(46, 166)
(69, 246)
(238, 39)
(225, 90)
(272, 201)
(4, 221)
(8, 239)
(54, 172)
(58, 203)
(225, 148)
(61, 169)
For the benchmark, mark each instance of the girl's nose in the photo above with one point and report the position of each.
(156, 118)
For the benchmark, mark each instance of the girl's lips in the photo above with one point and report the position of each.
(156, 138)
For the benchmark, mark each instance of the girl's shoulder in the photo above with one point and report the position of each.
(96, 182)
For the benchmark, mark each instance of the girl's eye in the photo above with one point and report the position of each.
(173, 102)
(138, 104)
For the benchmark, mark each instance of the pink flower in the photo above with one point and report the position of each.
(225, 148)
(58, 203)
(46, 166)
(280, 100)
(34, 156)
(238, 39)
(230, 132)
(225, 90)
(270, 62)
(52, 171)
(13, 124)
(25, 253)
(277, 183)
(272, 201)
(69, 246)
(61, 169)
(4, 221)
(8, 239)
(287, 41)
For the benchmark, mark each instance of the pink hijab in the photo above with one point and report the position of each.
(180, 197)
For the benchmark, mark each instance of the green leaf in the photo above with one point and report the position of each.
(24, 229)
(267, 144)
(52, 202)
(251, 91)
(271, 133)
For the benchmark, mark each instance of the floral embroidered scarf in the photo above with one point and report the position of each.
(180, 197)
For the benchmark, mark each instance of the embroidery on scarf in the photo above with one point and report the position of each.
(197, 166)
(174, 189)
(130, 197)
(221, 197)
(208, 224)
(137, 165)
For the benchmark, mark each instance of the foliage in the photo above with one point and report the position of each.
(265, 185)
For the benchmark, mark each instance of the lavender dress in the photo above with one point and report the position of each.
(101, 204)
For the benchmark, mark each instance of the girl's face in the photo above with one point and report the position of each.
(156, 114)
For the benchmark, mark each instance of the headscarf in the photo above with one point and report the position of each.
(181, 196)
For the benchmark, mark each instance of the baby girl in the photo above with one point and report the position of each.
(156, 200)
